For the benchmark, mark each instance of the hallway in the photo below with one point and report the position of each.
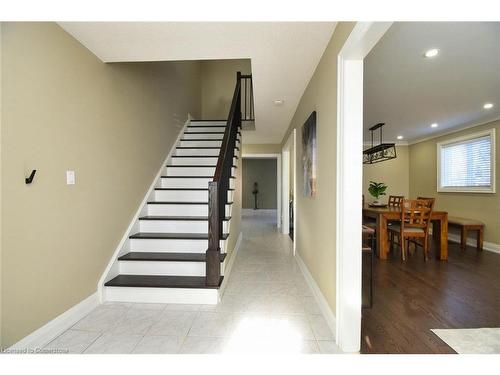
(267, 307)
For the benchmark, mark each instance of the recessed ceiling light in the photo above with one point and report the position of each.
(435, 125)
(400, 137)
(431, 53)
(488, 106)
(279, 102)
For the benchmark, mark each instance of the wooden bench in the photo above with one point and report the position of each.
(465, 226)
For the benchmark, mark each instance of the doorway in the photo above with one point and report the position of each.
(261, 184)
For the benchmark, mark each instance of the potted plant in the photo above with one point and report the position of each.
(377, 189)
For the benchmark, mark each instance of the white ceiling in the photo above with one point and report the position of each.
(283, 56)
(409, 92)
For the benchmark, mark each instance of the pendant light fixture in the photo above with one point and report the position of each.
(381, 152)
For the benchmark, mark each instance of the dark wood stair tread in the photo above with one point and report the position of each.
(187, 176)
(205, 139)
(199, 156)
(204, 132)
(173, 236)
(223, 120)
(195, 166)
(196, 189)
(191, 177)
(166, 257)
(174, 202)
(149, 281)
(202, 148)
(179, 218)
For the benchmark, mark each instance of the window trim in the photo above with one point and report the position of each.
(489, 190)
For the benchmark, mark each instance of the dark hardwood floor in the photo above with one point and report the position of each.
(414, 297)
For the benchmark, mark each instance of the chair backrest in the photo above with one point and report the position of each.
(416, 213)
(430, 200)
(395, 200)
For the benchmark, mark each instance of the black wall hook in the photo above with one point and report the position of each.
(29, 179)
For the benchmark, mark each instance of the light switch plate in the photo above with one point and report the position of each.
(70, 178)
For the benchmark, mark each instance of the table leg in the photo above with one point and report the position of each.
(480, 235)
(382, 239)
(436, 229)
(443, 243)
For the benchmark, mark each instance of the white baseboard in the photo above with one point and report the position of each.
(489, 246)
(42, 336)
(229, 265)
(320, 299)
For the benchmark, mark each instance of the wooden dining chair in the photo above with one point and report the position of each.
(395, 200)
(431, 201)
(415, 221)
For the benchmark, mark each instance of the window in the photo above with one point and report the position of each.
(467, 164)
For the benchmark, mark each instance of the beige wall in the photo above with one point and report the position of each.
(394, 173)
(261, 148)
(423, 181)
(217, 87)
(262, 171)
(113, 124)
(315, 232)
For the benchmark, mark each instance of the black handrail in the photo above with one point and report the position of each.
(219, 187)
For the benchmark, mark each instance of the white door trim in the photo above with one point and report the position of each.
(285, 187)
(349, 180)
(286, 159)
(278, 178)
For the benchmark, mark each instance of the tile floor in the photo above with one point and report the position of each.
(267, 307)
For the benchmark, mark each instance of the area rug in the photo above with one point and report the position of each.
(471, 341)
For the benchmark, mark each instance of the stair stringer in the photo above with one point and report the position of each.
(112, 269)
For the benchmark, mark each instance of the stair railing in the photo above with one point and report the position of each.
(247, 108)
(219, 187)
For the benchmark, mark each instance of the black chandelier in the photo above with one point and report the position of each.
(381, 152)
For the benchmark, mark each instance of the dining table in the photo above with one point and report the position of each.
(386, 214)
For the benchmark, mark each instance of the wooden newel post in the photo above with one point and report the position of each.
(213, 252)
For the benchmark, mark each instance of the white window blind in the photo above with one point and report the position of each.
(466, 164)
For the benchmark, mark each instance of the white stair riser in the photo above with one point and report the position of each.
(216, 136)
(177, 209)
(171, 246)
(211, 161)
(197, 151)
(211, 129)
(181, 210)
(186, 195)
(161, 295)
(189, 171)
(193, 171)
(201, 183)
(184, 143)
(159, 268)
(209, 123)
(178, 226)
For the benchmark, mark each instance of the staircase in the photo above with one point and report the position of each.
(176, 250)
(165, 260)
